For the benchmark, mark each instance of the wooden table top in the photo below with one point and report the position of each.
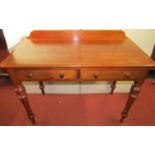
(118, 54)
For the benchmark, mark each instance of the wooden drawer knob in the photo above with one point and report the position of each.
(61, 75)
(30, 75)
(127, 76)
(95, 76)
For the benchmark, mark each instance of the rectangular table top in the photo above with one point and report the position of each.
(123, 54)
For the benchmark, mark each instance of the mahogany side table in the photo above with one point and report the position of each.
(77, 55)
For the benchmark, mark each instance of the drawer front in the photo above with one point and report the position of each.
(46, 74)
(110, 74)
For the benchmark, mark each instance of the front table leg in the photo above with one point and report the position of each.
(21, 93)
(135, 90)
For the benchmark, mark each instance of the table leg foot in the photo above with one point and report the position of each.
(32, 118)
(123, 116)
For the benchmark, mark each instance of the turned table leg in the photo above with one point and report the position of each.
(21, 93)
(41, 86)
(135, 90)
(113, 86)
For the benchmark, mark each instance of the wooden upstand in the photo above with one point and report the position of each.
(77, 55)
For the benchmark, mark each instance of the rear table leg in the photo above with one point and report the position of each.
(113, 86)
(41, 86)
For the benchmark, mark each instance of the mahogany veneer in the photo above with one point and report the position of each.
(77, 55)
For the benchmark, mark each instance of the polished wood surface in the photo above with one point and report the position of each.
(76, 36)
(99, 74)
(46, 74)
(77, 55)
(101, 36)
(125, 54)
(55, 36)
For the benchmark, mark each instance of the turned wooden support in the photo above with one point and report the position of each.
(135, 90)
(113, 86)
(41, 86)
(21, 93)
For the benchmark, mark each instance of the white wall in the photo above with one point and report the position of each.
(18, 18)
(144, 38)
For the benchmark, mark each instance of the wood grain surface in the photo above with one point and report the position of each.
(67, 51)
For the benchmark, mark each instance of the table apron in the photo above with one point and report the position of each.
(79, 74)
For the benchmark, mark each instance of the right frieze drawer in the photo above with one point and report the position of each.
(110, 74)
